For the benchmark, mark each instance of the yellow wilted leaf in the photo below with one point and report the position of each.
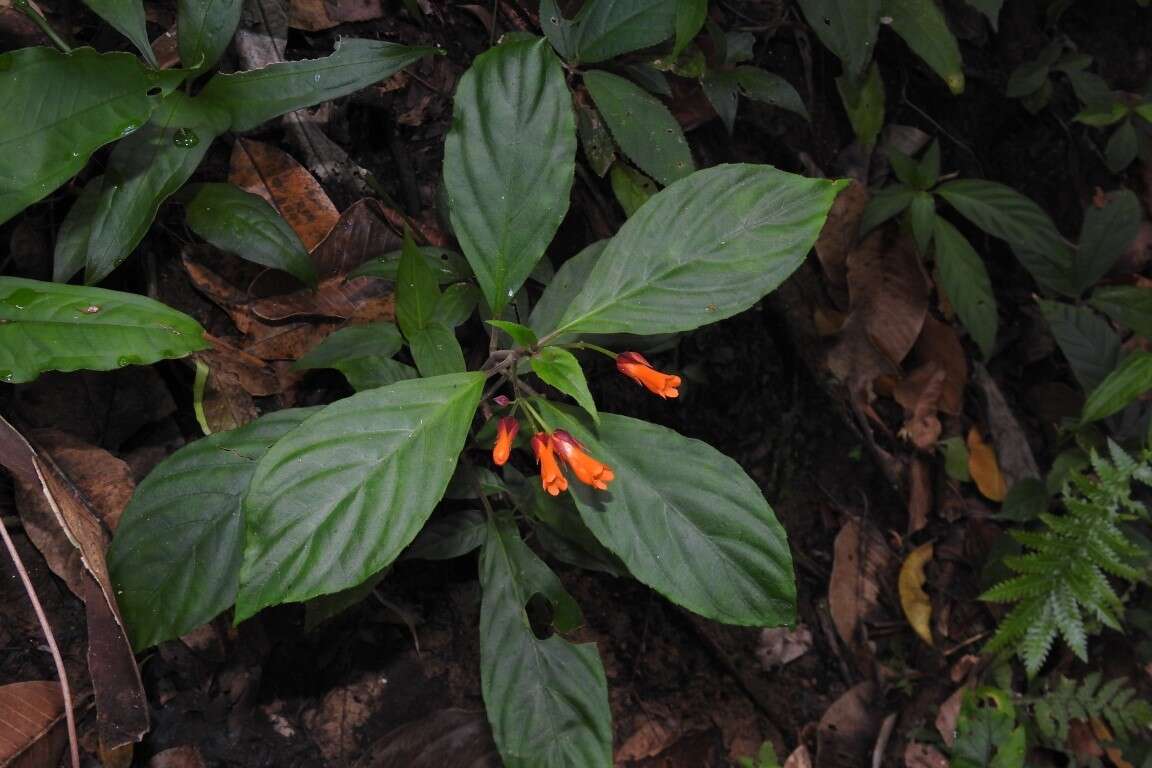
(913, 599)
(984, 467)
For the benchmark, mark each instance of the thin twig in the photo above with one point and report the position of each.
(65, 689)
(26, 8)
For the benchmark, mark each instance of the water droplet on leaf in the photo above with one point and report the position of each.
(185, 137)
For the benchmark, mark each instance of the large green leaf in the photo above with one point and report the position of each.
(922, 25)
(965, 282)
(559, 368)
(885, 204)
(127, 18)
(339, 497)
(175, 560)
(60, 109)
(52, 327)
(569, 281)
(847, 28)
(686, 520)
(247, 225)
(417, 289)
(435, 350)
(1091, 347)
(705, 248)
(604, 29)
(1131, 379)
(204, 28)
(1128, 305)
(1106, 233)
(547, 700)
(259, 95)
(115, 210)
(509, 161)
(363, 353)
(642, 127)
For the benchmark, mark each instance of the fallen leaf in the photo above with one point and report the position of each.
(32, 724)
(779, 645)
(919, 393)
(1016, 460)
(177, 757)
(266, 171)
(923, 756)
(848, 729)
(938, 343)
(448, 737)
(949, 715)
(919, 494)
(309, 15)
(366, 230)
(1103, 734)
(648, 740)
(334, 723)
(984, 468)
(913, 599)
(800, 758)
(862, 562)
(839, 236)
(362, 299)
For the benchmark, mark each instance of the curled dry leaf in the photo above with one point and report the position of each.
(913, 599)
(984, 467)
(919, 393)
(848, 729)
(32, 732)
(862, 564)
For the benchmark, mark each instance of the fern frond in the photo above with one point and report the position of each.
(1114, 703)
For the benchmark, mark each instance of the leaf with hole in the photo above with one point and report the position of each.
(964, 280)
(53, 327)
(340, 496)
(175, 559)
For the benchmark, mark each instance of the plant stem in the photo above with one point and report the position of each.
(593, 347)
(26, 8)
(537, 419)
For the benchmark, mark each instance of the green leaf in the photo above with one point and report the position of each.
(1131, 379)
(1031, 76)
(701, 250)
(631, 188)
(435, 350)
(175, 559)
(116, 210)
(686, 520)
(1091, 347)
(52, 327)
(642, 126)
(521, 335)
(127, 18)
(1128, 305)
(1027, 500)
(922, 219)
(599, 149)
(1106, 234)
(509, 161)
(604, 29)
(955, 456)
(450, 267)
(1122, 148)
(965, 282)
(204, 28)
(570, 279)
(362, 353)
(922, 25)
(246, 225)
(884, 205)
(559, 368)
(690, 16)
(340, 496)
(259, 95)
(449, 536)
(61, 108)
(1102, 114)
(928, 172)
(417, 289)
(991, 9)
(864, 103)
(723, 88)
(456, 304)
(547, 700)
(847, 28)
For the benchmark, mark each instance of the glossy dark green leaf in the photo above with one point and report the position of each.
(607, 28)
(569, 281)
(1122, 148)
(203, 30)
(559, 368)
(450, 535)
(52, 327)
(547, 700)
(248, 226)
(116, 210)
(456, 304)
(847, 28)
(885, 204)
(649, 78)
(631, 188)
(964, 280)
(61, 108)
(521, 335)
(922, 25)
(686, 520)
(690, 16)
(450, 266)
(340, 496)
(417, 289)
(435, 350)
(509, 161)
(363, 353)
(922, 219)
(1091, 347)
(259, 95)
(175, 560)
(1129, 305)
(724, 87)
(642, 126)
(701, 250)
(127, 18)
(1106, 234)
(1131, 380)
(864, 102)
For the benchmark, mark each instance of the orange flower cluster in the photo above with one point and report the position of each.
(636, 367)
(587, 469)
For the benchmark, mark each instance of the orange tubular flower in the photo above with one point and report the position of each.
(551, 477)
(634, 366)
(587, 469)
(505, 433)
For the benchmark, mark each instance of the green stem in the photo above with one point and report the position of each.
(26, 8)
(198, 386)
(537, 419)
(593, 347)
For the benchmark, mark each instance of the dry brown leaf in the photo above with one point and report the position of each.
(32, 724)
(939, 343)
(984, 467)
(177, 757)
(333, 725)
(839, 236)
(949, 715)
(1014, 454)
(919, 494)
(913, 599)
(309, 15)
(121, 706)
(362, 299)
(779, 645)
(919, 393)
(366, 231)
(448, 737)
(800, 758)
(848, 729)
(648, 740)
(266, 171)
(923, 756)
(862, 562)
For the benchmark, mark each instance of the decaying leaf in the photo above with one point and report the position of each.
(447, 737)
(913, 599)
(923, 756)
(366, 230)
(862, 564)
(781, 645)
(32, 733)
(984, 467)
(1015, 457)
(838, 238)
(848, 729)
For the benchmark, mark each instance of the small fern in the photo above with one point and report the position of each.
(1113, 702)
(1062, 580)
